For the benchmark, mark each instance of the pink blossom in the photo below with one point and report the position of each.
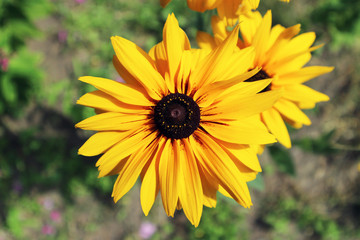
(146, 230)
(62, 36)
(48, 230)
(55, 216)
(48, 204)
(4, 64)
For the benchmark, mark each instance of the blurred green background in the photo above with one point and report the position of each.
(47, 191)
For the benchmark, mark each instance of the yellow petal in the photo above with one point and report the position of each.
(292, 61)
(303, 75)
(291, 111)
(212, 157)
(175, 42)
(242, 154)
(224, 192)
(282, 68)
(301, 93)
(168, 176)
(244, 88)
(202, 5)
(212, 66)
(131, 171)
(204, 97)
(249, 27)
(282, 40)
(182, 83)
(158, 53)
(112, 121)
(120, 91)
(254, 3)
(234, 71)
(100, 142)
(111, 158)
(243, 132)
(128, 78)
(107, 103)
(241, 107)
(276, 126)
(219, 28)
(205, 40)
(261, 37)
(140, 65)
(209, 188)
(274, 34)
(237, 64)
(296, 45)
(150, 182)
(228, 10)
(190, 188)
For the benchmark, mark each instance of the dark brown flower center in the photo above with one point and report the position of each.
(260, 76)
(177, 116)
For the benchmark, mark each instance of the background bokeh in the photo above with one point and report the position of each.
(47, 191)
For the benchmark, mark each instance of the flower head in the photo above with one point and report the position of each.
(281, 55)
(4, 63)
(48, 230)
(55, 216)
(62, 36)
(146, 230)
(183, 121)
(228, 10)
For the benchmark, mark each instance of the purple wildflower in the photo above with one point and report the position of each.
(146, 230)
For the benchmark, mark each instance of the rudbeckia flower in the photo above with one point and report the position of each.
(281, 55)
(228, 10)
(183, 122)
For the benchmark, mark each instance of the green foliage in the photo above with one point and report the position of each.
(321, 145)
(282, 159)
(227, 215)
(21, 216)
(22, 77)
(19, 83)
(341, 18)
(17, 21)
(289, 212)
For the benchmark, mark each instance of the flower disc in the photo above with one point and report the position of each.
(177, 116)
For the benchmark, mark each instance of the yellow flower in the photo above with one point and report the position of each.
(197, 5)
(183, 122)
(281, 55)
(228, 10)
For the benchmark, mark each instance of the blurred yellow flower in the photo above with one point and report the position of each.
(183, 122)
(281, 55)
(229, 10)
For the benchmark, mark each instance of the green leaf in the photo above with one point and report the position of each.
(283, 160)
(8, 89)
(321, 145)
